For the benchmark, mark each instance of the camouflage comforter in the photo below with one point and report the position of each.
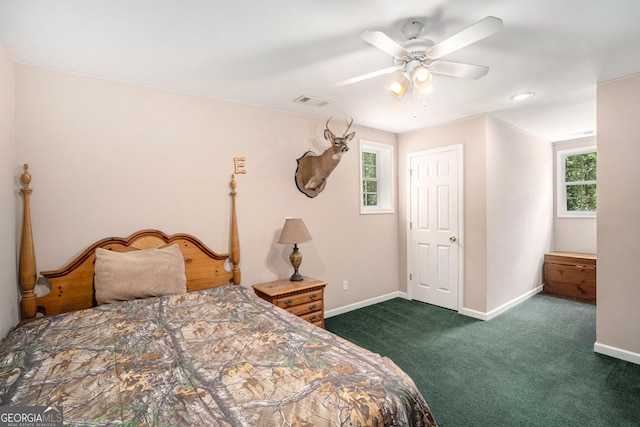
(220, 357)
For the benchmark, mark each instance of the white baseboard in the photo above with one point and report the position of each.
(465, 311)
(365, 303)
(504, 307)
(618, 353)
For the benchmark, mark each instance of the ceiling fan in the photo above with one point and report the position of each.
(418, 57)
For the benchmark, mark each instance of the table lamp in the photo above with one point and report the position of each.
(294, 231)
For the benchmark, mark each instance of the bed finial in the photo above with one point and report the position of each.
(28, 273)
(25, 178)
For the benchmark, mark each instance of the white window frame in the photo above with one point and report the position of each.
(386, 195)
(561, 189)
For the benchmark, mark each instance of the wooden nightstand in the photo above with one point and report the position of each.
(304, 299)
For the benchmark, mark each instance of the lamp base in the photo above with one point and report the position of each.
(296, 277)
(296, 260)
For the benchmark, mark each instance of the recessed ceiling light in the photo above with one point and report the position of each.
(522, 96)
(583, 133)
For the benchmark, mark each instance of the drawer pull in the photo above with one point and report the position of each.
(313, 318)
(288, 302)
(313, 296)
(313, 307)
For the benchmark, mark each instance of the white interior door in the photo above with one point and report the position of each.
(434, 226)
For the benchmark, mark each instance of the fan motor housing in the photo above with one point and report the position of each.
(412, 29)
(418, 45)
(418, 52)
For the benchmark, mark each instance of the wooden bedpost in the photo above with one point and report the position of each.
(28, 273)
(235, 240)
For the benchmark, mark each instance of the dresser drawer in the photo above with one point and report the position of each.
(303, 298)
(571, 280)
(309, 307)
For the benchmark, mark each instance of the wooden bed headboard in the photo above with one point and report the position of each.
(72, 286)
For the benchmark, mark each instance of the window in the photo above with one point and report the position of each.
(376, 178)
(577, 182)
(370, 178)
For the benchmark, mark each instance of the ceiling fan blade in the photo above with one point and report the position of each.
(478, 31)
(459, 69)
(367, 76)
(384, 43)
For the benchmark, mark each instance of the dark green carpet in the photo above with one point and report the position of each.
(531, 366)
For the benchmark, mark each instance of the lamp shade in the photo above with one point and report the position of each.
(399, 86)
(294, 231)
(421, 78)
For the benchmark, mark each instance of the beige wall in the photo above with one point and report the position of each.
(572, 234)
(471, 134)
(618, 299)
(9, 196)
(519, 212)
(110, 158)
(507, 199)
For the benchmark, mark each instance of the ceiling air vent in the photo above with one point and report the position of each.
(312, 101)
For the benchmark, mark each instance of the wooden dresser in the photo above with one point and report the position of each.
(304, 299)
(570, 274)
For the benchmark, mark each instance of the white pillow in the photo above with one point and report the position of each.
(122, 276)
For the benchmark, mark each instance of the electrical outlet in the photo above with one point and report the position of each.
(345, 285)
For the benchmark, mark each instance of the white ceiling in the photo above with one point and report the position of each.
(268, 53)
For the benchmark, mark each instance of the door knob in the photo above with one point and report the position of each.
(453, 238)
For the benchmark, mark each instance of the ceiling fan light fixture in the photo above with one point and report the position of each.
(427, 89)
(422, 78)
(399, 86)
(411, 56)
(421, 74)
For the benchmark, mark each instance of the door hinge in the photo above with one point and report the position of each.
(410, 276)
(410, 225)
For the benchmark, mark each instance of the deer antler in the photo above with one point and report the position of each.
(349, 123)
(327, 127)
(348, 126)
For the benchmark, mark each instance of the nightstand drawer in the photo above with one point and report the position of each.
(293, 300)
(309, 307)
(315, 318)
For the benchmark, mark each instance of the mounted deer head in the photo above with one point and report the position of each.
(313, 169)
